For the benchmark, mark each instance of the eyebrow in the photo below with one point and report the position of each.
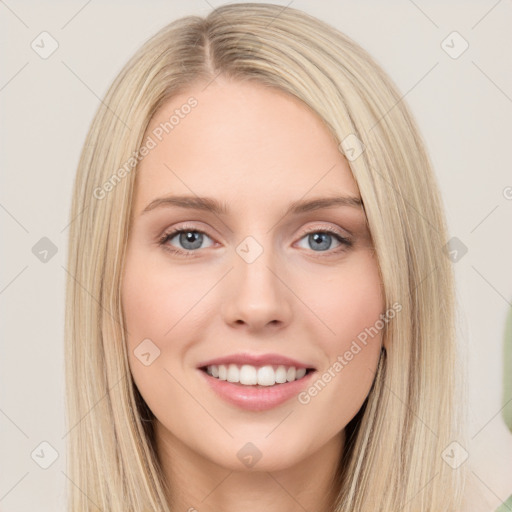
(221, 208)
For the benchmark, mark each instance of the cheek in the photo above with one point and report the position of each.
(351, 308)
(156, 299)
(154, 313)
(347, 303)
(150, 311)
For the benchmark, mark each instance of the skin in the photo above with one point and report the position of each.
(257, 149)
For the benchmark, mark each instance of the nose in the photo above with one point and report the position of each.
(257, 297)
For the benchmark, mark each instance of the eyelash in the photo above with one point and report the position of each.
(345, 242)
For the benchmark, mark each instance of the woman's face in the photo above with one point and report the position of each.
(268, 282)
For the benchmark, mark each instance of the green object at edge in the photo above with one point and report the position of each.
(506, 506)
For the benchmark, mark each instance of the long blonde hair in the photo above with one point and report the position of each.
(393, 454)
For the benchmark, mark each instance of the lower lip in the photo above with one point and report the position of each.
(257, 399)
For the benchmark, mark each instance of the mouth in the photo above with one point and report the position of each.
(256, 388)
(257, 377)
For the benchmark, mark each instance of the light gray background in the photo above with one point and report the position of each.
(463, 107)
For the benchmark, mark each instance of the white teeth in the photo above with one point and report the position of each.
(233, 373)
(266, 376)
(300, 373)
(249, 375)
(281, 375)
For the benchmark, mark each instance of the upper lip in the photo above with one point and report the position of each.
(256, 360)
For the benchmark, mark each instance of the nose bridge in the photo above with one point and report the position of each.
(254, 260)
(258, 296)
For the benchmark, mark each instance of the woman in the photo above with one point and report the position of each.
(261, 309)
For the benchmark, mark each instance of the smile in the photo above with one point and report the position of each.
(249, 375)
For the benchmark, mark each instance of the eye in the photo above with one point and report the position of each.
(188, 239)
(321, 240)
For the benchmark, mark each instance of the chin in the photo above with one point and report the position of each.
(260, 454)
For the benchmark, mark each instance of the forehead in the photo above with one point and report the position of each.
(241, 142)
